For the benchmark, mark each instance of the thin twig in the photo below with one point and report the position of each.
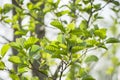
(91, 13)
(102, 7)
(33, 67)
(57, 70)
(5, 38)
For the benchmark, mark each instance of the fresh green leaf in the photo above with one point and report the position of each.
(15, 59)
(83, 25)
(70, 27)
(30, 6)
(22, 69)
(14, 76)
(91, 58)
(34, 49)
(21, 32)
(91, 42)
(59, 14)
(2, 65)
(18, 44)
(4, 49)
(0, 10)
(101, 33)
(7, 8)
(88, 77)
(61, 38)
(112, 40)
(77, 48)
(30, 41)
(58, 25)
(77, 1)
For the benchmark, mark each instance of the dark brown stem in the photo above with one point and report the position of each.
(40, 74)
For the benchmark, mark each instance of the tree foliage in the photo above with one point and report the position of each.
(76, 37)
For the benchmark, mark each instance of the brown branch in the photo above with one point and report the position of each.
(57, 71)
(40, 74)
(91, 13)
(102, 7)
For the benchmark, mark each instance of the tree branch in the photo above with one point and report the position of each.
(102, 7)
(91, 13)
(5, 38)
(40, 74)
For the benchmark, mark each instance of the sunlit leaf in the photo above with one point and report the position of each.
(2, 65)
(59, 14)
(70, 27)
(22, 69)
(101, 33)
(77, 48)
(77, 1)
(58, 25)
(88, 77)
(83, 25)
(21, 32)
(4, 49)
(30, 41)
(30, 6)
(14, 76)
(91, 58)
(7, 8)
(34, 49)
(15, 59)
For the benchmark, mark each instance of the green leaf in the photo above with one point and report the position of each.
(77, 1)
(21, 32)
(76, 32)
(15, 45)
(117, 3)
(0, 10)
(7, 8)
(63, 46)
(59, 14)
(14, 76)
(30, 41)
(77, 48)
(58, 25)
(97, 6)
(2, 65)
(70, 27)
(34, 49)
(18, 44)
(7, 20)
(61, 38)
(22, 69)
(83, 25)
(82, 72)
(112, 40)
(15, 59)
(4, 49)
(91, 58)
(57, 3)
(30, 6)
(91, 42)
(101, 33)
(88, 77)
